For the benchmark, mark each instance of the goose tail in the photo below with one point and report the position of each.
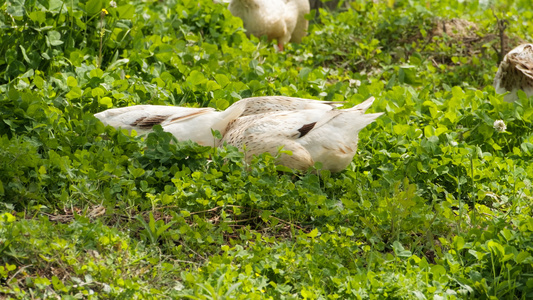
(363, 106)
(363, 120)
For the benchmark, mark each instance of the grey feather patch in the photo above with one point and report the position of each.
(148, 123)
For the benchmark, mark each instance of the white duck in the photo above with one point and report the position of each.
(282, 20)
(515, 73)
(195, 124)
(314, 135)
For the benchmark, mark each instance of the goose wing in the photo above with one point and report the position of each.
(143, 117)
(268, 132)
(264, 104)
(199, 127)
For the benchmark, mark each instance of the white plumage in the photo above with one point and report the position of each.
(282, 20)
(259, 105)
(314, 131)
(515, 73)
(195, 124)
(314, 135)
(185, 123)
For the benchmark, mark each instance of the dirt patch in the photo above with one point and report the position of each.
(455, 29)
(464, 35)
(69, 213)
(474, 39)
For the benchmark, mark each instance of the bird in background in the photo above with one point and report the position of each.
(515, 73)
(281, 20)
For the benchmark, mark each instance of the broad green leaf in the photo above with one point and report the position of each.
(304, 73)
(408, 74)
(438, 270)
(54, 38)
(313, 234)
(118, 63)
(74, 93)
(523, 257)
(72, 82)
(42, 170)
(137, 172)
(107, 102)
(458, 92)
(400, 250)
(38, 16)
(164, 52)
(94, 6)
(98, 73)
(15, 8)
(496, 248)
(163, 227)
(459, 242)
(7, 217)
(98, 92)
(212, 86)
(126, 11)
(222, 80)
(196, 78)
(508, 235)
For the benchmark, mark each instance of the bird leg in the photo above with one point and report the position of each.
(280, 46)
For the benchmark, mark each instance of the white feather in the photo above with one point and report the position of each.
(185, 123)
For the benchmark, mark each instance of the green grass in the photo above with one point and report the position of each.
(436, 204)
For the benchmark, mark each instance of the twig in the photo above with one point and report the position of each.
(242, 220)
(51, 291)
(16, 273)
(189, 248)
(186, 261)
(210, 210)
(502, 25)
(288, 223)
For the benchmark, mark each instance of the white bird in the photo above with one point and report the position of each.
(195, 124)
(515, 73)
(313, 135)
(282, 20)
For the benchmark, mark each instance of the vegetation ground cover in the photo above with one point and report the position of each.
(436, 204)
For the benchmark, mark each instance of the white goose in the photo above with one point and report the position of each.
(314, 135)
(282, 20)
(195, 124)
(515, 73)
